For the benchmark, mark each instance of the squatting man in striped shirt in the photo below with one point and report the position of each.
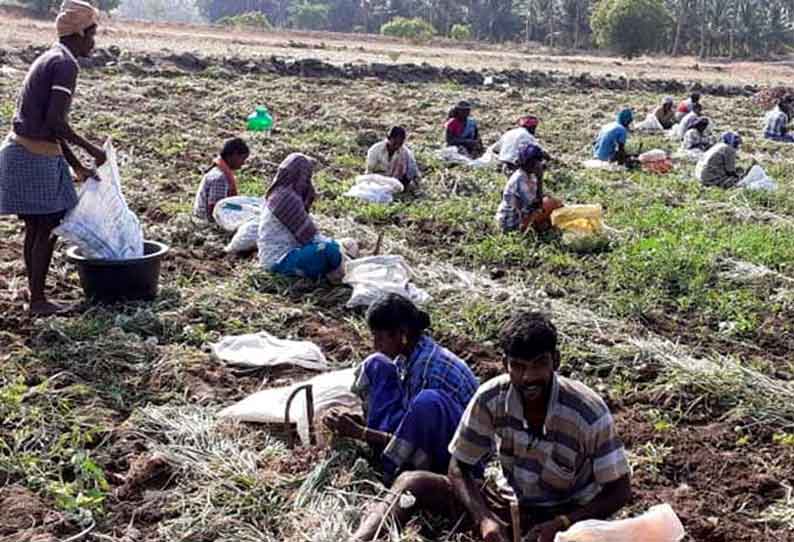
(555, 441)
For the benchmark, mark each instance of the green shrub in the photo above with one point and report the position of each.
(252, 19)
(460, 32)
(631, 27)
(309, 16)
(414, 29)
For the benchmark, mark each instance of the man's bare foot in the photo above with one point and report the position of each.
(45, 308)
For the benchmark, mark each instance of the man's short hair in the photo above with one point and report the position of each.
(236, 145)
(527, 335)
(397, 132)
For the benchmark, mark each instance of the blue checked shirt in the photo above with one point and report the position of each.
(433, 367)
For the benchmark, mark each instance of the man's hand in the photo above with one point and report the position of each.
(99, 156)
(493, 531)
(83, 174)
(344, 424)
(545, 531)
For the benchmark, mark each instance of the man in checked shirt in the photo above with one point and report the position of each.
(555, 441)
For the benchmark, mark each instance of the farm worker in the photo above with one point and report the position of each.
(718, 165)
(665, 113)
(686, 106)
(696, 137)
(610, 145)
(461, 130)
(414, 391)
(512, 141)
(288, 240)
(393, 158)
(776, 122)
(523, 203)
(679, 130)
(554, 438)
(35, 181)
(220, 181)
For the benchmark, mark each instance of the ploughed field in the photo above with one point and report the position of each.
(682, 316)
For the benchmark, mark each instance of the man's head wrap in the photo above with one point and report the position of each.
(75, 17)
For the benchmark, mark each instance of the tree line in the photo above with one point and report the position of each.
(729, 28)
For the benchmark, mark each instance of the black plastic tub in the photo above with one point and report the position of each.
(107, 281)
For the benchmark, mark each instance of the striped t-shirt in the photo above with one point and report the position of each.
(575, 455)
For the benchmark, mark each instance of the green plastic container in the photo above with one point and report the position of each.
(260, 120)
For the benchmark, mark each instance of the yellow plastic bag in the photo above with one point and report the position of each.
(584, 219)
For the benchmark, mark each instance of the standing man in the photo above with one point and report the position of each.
(35, 181)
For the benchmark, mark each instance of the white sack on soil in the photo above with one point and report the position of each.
(454, 156)
(231, 213)
(757, 179)
(650, 124)
(375, 276)
(101, 224)
(329, 390)
(692, 155)
(659, 524)
(600, 164)
(264, 350)
(375, 188)
(245, 238)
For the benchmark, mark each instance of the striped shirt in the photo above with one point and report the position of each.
(570, 460)
(213, 188)
(775, 124)
(519, 200)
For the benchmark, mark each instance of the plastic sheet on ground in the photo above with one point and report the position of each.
(375, 188)
(268, 406)
(581, 219)
(454, 156)
(375, 276)
(658, 524)
(264, 350)
(245, 237)
(101, 224)
(757, 179)
(231, 213)
(600, 164)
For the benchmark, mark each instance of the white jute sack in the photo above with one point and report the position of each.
(264, 350)
(374, 276)
(101, 224)
(329, 390)
(232, 212)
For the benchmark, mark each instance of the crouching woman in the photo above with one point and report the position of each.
(523, 203)
(414, 392)
(288, 240)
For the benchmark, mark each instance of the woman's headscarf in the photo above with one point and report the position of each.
(75, 17)
(528, 121)
(625, 117)
(732, 138)
(529, 153)
(291, 195)
(691, 121)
